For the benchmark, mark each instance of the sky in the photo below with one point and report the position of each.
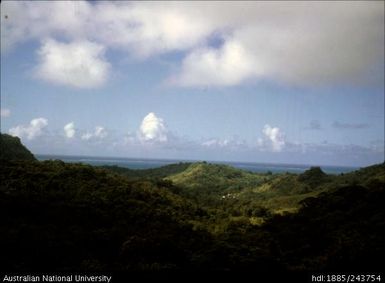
(273, 82)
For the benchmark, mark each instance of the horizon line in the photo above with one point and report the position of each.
(209, 161)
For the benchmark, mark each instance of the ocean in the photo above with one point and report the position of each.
(136, 163)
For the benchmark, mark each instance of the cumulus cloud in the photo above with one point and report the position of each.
(69, 130)
(5, 112)
(153, 129)
(229, 65)
(274, 136)
(98, 133)
(300, 43)
(31, 131)
(339, 125)
(78, 64)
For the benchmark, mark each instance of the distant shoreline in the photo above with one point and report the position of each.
(146, 163)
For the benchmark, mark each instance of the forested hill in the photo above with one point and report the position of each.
(160, 172)
(213, 175)
(56, 216)
(243, 193)
(11, 148)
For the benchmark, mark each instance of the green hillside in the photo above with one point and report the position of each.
(81, 217)
(159, 173)
(11, 148)
(370, 176)
(341, 229)
(233, 193)
(208, 183)
(240, 193)
(283, 192)
(200, 174)
(213, 185)
(60, 216)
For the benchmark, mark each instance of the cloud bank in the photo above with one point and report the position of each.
(297, 43)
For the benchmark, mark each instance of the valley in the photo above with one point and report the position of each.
(186, 217)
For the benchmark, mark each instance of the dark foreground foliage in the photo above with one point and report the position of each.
(57, 216)
(338, 231)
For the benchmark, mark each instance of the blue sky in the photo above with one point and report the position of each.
(280, 82)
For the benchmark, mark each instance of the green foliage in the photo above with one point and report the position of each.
(70, 216)
(313, 177)
(12, 149)
(202, 173)
(157, 173)
(191, 217)
(228, 192)
(370, 176)
(211, 183)
(339, 230)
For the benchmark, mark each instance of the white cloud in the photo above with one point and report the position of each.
(87, 136)
(153, 129)
(274, 136)
(216, 143)
(229, 65)
(231, 144)
(40, 19)
(98, 133)
(150, 28)
(78, 64)
(5, 112)
(31, 131)
(300, 43)
(69, 130)
(142, 28)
